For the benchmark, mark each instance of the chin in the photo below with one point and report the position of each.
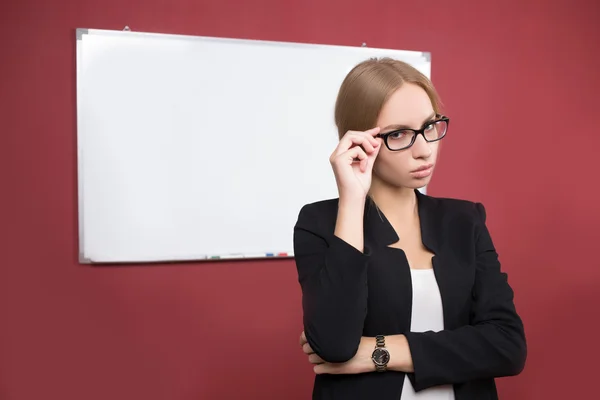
(407, 182)
(417, 183)
(412, 184)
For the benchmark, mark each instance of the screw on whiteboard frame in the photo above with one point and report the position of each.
(364, 45)
(127, 29)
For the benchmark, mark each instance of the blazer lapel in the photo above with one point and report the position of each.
(378, 230)
(444, 264)
(429, 221)
(379, 235)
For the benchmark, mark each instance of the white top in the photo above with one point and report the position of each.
(427, 315)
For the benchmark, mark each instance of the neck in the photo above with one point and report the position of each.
(397, 203)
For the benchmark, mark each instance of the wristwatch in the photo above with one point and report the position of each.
(380, 356)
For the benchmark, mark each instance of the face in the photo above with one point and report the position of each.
(408, 107)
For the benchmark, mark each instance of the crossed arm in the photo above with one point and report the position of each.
(397, 345)
(332, 275)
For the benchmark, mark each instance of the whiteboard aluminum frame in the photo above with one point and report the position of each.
(81, 33)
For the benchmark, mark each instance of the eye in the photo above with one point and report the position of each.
(429, 126)
(397, 134)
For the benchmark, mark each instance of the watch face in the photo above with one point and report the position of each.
(381, 356)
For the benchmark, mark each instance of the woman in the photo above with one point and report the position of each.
(402, 293)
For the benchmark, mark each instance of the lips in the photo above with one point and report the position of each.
(422, 172)
(423, 168)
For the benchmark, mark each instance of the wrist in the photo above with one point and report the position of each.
(400, 357)
(349, 223)
(352, 203)
(369, 344)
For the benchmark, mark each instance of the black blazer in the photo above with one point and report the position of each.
(347, 294)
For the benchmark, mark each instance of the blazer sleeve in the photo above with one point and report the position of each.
(333, 279)
(493, 345)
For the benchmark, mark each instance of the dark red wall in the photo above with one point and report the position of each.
(520, 82)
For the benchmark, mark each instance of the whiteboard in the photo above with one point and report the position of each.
(193, 148)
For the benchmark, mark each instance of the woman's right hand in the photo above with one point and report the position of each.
(352, 162)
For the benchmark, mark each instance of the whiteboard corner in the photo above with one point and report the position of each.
(427, 56)
(79, 32)
(83, 259)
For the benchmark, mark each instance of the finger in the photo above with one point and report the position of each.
(328, 368)
(372, 140)
(302, 338)
(370, 162)
(356, 139)
(355, 153)
(315, 359)
(367, 165)
(321, 368)
(307, 349)
(371, 133)
(369, 143)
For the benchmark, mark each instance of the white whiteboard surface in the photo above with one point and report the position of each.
(191, 147)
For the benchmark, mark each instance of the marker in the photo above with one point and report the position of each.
(227, 256)
(258, 255)
(255, 255)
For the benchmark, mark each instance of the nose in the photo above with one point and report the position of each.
(421, 149)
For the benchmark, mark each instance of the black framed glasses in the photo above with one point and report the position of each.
(401, 139)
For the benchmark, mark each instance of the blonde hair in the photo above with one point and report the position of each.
(367, 87)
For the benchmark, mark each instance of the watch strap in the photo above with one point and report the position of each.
(380, 344)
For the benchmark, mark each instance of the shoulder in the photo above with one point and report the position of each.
(448, 208)
(319, 213)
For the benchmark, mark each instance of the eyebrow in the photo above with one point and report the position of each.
(400, 126)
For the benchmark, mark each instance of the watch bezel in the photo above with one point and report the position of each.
(383, 353)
